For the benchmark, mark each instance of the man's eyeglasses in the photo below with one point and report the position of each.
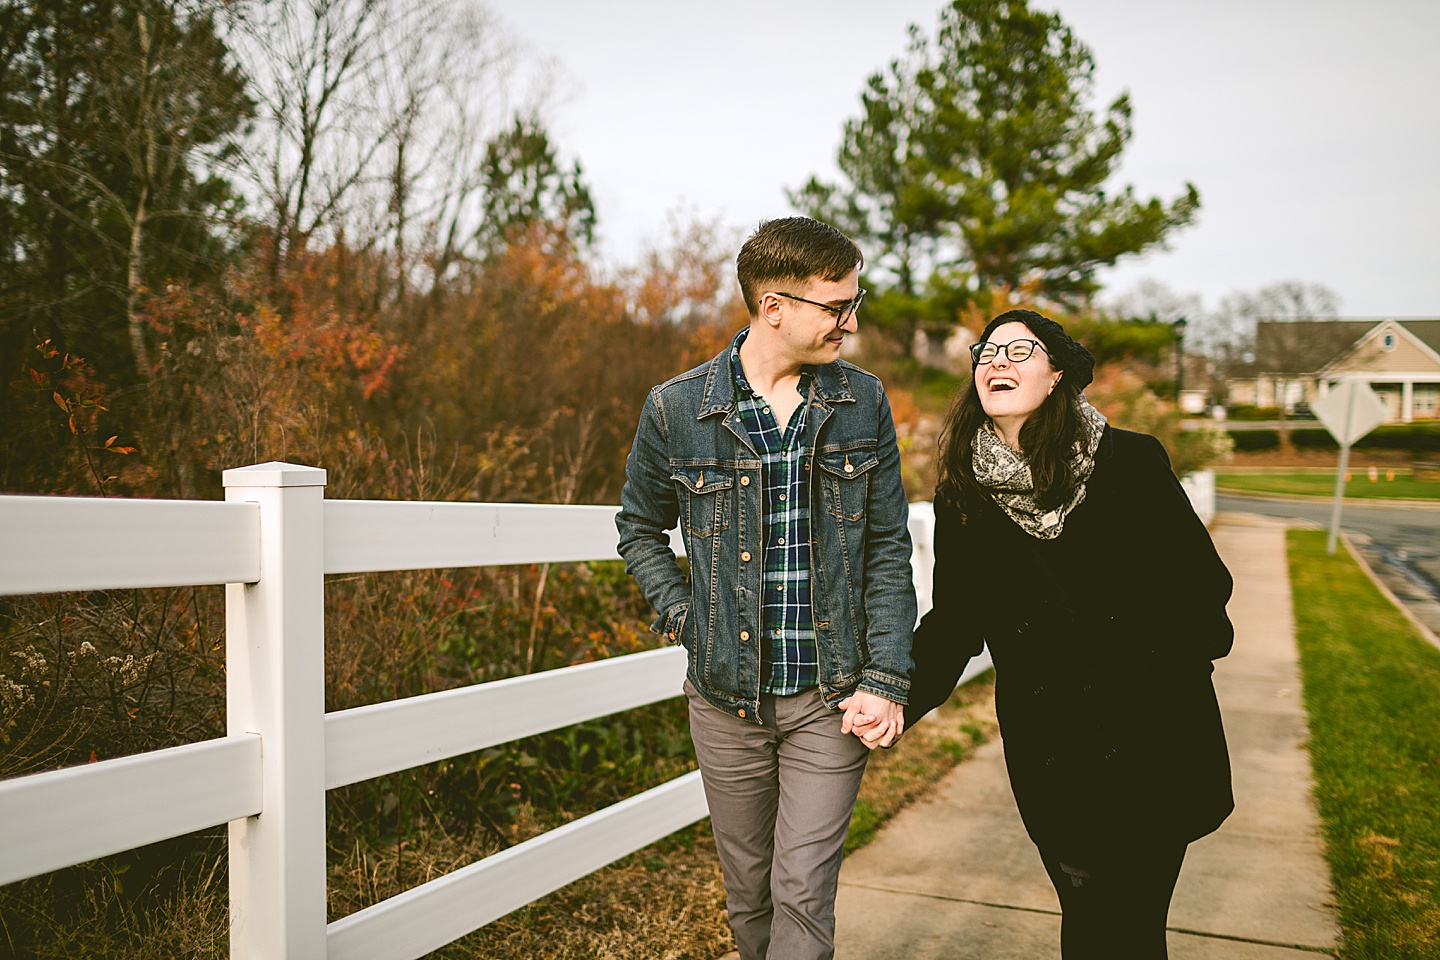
(842, 313)
(1015, 351)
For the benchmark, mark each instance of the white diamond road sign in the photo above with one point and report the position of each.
(1350, 410)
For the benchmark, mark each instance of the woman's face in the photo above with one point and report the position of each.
(1011, 391)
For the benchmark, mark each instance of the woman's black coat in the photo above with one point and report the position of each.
(1102, 640)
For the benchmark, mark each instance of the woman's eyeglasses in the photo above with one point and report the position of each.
(841, 312)
(1015, 351)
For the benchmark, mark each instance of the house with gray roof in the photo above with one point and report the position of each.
(1299, 362)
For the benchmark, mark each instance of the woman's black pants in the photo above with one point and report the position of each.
(1115, 906)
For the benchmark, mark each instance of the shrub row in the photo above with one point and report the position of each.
(1414, 437)
(1404, 436)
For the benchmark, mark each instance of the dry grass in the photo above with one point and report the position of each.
(666, 901)
(162, 902)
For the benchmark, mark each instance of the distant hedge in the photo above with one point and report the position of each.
(1247, 411)
(1421, 437)
(1313, 437)
(1418, 437)
(1255, 439)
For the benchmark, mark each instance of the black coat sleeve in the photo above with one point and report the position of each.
(1188, 585)
(946, 638)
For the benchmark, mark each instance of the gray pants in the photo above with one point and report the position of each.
(780, 796)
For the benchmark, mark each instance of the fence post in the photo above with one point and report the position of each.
(275, 686)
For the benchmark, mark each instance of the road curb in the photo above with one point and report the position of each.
(1359, 558)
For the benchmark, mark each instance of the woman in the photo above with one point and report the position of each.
(1070, 548)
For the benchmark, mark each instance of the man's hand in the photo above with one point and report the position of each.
(876, 721)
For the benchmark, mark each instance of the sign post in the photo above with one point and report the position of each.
(1349, 411)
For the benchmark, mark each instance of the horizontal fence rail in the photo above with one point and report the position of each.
(53, 820)
(382, 738)
(429, 916)
(53, 544)
(363, 536)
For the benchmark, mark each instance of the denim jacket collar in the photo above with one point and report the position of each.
(829, 385)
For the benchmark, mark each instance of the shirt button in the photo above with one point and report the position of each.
(782, 496)
(780, 587)
(745, 556)
(744, 635)
(744, 481)
(781, 540)
(766, 410)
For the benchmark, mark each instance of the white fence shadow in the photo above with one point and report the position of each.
(271, 542)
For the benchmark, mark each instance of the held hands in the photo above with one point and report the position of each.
(876, 721)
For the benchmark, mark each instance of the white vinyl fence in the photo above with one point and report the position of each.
(1200, 488)
(271, 542)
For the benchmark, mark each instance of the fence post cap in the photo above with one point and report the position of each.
(275, 474)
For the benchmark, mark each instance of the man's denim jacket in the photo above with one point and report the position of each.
(693, 463)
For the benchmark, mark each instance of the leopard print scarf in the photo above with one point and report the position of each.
(1005, 475)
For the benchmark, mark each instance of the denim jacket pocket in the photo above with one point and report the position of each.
(844, 479)
(705, 499)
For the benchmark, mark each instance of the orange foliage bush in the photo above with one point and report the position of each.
(519, 378)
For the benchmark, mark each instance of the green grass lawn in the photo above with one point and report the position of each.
(1323, 485)
(1372, 690)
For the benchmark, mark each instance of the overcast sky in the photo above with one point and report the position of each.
(1310, 127)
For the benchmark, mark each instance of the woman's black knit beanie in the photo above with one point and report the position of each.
(1065, 352)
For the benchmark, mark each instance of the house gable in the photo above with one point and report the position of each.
(1389, 347)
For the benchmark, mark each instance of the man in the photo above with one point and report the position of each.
(778, 461)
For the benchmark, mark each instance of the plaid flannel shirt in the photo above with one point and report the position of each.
(791, 663)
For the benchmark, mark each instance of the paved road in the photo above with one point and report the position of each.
(1401, 542)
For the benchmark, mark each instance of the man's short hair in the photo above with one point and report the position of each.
(793, 251)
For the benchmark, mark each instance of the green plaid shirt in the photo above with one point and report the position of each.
(791, 660)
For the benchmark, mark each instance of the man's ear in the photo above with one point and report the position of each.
(769, 309)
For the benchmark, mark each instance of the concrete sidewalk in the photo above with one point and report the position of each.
(954, 876)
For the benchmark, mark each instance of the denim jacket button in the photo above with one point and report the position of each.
(744, 481)
(742, 713)
(744, 635)
(745, 556)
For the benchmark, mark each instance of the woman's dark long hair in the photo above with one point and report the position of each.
(1048, 440)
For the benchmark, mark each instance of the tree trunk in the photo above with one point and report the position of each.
(1286, 446)
(135, 287)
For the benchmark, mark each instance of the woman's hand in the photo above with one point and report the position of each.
(876, 721)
